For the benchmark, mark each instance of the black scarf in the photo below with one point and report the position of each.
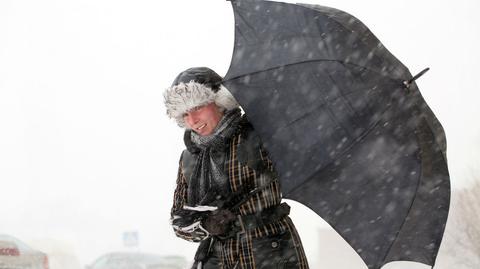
(209, 181)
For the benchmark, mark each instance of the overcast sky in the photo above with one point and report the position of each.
(86, 151)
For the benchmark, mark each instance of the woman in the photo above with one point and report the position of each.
(227, 195)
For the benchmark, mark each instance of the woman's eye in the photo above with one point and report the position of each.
(197, 108)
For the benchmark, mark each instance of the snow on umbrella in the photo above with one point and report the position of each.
(346, 126)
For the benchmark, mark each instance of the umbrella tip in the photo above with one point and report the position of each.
(407, 83)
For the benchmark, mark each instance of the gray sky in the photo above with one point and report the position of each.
(86, 151)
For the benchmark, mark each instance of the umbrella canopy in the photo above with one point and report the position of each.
(346, 126)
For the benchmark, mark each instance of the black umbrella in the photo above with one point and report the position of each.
(346, 126)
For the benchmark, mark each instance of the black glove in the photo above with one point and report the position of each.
(187, 225)
(219, 222)
(187, 217)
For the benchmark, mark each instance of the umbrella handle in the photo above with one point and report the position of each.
(407, 83)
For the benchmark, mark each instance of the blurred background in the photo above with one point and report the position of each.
(88, 158)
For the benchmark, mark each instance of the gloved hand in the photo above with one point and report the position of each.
(219, 222)
(187, 223)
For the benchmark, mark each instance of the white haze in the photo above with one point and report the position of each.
(86, 151)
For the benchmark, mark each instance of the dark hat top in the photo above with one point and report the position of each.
(202, 75)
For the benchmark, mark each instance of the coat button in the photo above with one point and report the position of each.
(274, 244)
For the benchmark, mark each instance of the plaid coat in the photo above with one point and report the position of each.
(274, 245)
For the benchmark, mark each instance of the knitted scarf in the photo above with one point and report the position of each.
(209, 180)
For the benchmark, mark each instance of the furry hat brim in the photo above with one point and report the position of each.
(183, 97)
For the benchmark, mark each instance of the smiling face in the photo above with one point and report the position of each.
(203, 119)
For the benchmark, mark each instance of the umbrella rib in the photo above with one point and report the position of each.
(413, 200)
(403, 223)
(344, 95)
(357, 140)
(246, 24)
(323, 104)
(309, 178)
(312, 61)
(306, 114)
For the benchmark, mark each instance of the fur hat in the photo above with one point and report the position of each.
(194, 87)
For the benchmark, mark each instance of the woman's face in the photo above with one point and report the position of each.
(203, 119)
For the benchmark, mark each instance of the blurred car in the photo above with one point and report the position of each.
(14, 254)
(137, 260)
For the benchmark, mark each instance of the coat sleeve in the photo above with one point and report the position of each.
(186, 223)
(180, 194)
